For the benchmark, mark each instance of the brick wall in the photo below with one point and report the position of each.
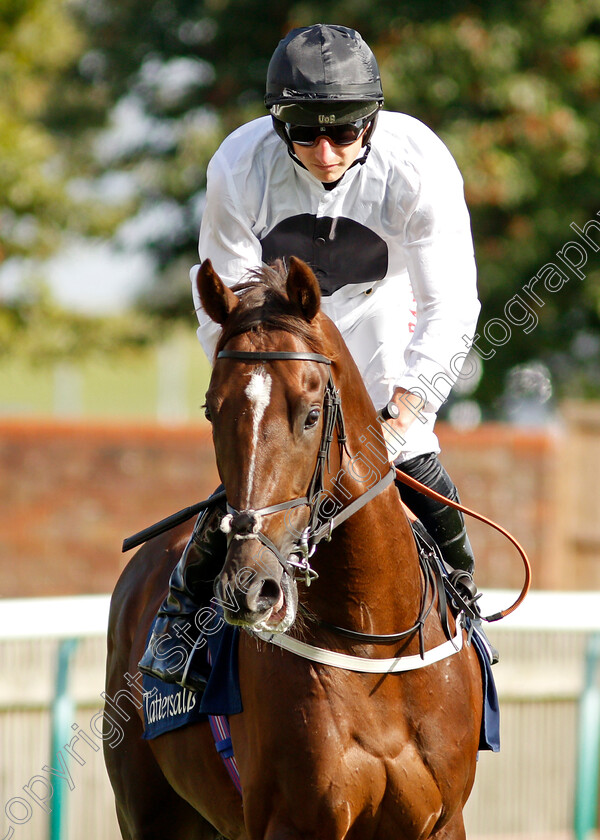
(71, 492)
(508, 475)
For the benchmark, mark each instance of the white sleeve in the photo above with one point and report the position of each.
(441, 265)
(226, 238)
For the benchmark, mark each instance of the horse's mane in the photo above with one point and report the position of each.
(264, 306)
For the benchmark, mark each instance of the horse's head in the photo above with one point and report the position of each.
(269, 398)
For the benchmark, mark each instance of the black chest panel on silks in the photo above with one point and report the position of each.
(340, 251)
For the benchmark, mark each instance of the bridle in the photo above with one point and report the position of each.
(245, 524)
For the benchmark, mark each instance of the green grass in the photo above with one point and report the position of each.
(166, 382)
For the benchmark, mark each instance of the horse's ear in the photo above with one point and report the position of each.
(217, 299)
(303, 288)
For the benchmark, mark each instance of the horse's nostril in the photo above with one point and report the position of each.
(270, 591)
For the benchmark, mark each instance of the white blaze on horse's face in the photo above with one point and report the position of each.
(258, 391)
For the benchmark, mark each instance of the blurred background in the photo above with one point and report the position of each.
(109, 113)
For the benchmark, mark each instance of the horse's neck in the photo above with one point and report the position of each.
(369, 571)
(371, 563)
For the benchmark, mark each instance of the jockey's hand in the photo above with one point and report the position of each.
(408, 407)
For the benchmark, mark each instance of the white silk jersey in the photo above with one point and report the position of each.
(390, 244)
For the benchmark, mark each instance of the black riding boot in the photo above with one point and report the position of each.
(445, 524)
(170, 651)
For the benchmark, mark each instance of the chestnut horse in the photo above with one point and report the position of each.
(342, 744)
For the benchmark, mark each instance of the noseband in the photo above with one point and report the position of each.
(246, 524)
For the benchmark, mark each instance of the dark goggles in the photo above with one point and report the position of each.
(340, 135)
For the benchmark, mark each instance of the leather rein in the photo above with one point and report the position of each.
(247, 523)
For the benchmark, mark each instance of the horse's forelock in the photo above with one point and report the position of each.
(264, 306)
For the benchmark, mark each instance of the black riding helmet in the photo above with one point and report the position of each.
(323, 75)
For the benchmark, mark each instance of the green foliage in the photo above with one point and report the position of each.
(45, 333)
(36, 43)
(146, 89)
(40, 46)
(514, 91)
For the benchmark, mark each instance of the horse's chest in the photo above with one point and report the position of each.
(412, 803)
(394, 794)
(359, 759)
(353, 787)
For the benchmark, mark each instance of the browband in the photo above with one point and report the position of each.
(271, 355)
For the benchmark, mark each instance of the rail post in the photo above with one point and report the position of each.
(588, 746)
(62, 716)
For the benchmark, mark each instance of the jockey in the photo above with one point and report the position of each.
(373, 201)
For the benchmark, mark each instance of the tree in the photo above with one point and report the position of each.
(45, 165)
(46, 333)
(514, 91)
(32, 54)
(511, 86)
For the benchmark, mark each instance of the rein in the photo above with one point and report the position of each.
(247, 524)
(427, 491)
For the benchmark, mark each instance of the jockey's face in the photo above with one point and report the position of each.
(325, 160)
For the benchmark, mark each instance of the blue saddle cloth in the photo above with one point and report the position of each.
(168, 707)
(489, 736)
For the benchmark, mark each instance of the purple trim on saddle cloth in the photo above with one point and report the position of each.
(219, 725)
(168, 707)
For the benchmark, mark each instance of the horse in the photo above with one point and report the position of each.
(321, 563)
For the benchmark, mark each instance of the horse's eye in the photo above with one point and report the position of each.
(312, 418)
(207, 413)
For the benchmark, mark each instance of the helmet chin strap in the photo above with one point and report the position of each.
(329, 186)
